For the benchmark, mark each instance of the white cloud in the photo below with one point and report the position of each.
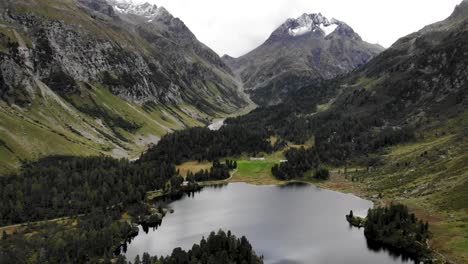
(235, 27)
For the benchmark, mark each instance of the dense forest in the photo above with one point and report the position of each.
(203, 144)
(299, 161)
(89, 239)
(67, 186)
(218, 171)
(342, 138)
(338, 136)
(394, 227)
(219, 248)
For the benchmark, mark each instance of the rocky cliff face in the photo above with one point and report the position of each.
(142, 53)
(303, 50)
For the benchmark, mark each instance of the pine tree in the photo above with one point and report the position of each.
(137, 260)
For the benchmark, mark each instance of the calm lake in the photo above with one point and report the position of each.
(289, 224)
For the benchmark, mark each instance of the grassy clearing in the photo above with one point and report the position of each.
(193, 166)
(154, 194)
(308, 144)
(254, 172)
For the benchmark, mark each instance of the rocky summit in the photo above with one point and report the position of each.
(300, 51)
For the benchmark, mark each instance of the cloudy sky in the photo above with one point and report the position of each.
(235, 27)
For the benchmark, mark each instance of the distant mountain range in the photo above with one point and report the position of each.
(308, 49)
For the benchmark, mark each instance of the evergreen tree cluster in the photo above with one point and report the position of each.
(299, 160)
(218, 171)
(203, 144)
(341, 138)
(338, 136)
(66, 186)
(394, 227)
(218, 248)
(89, 239)
(322, 174)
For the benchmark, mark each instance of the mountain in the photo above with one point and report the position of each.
(93, 76)
(307, 49)
(403, 117)
(421, 75)
(421, 83)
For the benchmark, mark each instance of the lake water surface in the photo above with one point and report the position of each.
(287, 225)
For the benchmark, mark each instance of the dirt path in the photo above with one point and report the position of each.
(12, 228)
(20, 40)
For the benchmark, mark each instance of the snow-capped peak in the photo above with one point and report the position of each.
(310, 23)
(138, 8)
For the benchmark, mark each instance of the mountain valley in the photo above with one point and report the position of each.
(105, 113)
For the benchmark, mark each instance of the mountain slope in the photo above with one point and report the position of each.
(303, 50)
(87, 77)
(422, 74)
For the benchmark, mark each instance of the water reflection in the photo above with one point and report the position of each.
(377, 247)
(294, 185)
(295, 223)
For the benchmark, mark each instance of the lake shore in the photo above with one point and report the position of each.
(259, 173)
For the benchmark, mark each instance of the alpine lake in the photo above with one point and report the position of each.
(295, 223)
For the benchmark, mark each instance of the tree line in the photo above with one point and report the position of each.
(218, 171)
(90, 239)
(202, 144)
(338, 136)
(220, 247)
(394, 227)
(65, 186)
(299, 161)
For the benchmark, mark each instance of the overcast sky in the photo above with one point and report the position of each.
(235, 27)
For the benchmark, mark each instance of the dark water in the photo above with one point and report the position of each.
(294, 224)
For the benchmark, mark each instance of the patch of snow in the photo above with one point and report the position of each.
(310, 23)
(328, 29)
(216, 125)
(299, 31)
(138, 8)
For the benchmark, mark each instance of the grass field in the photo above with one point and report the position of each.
(254, 172)
(193, 166)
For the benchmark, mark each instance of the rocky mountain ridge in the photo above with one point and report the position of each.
(301, 51)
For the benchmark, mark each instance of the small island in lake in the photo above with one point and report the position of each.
(355, 220)
(395, 228)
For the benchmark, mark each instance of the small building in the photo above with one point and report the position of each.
(256, 159)
(283, 161)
